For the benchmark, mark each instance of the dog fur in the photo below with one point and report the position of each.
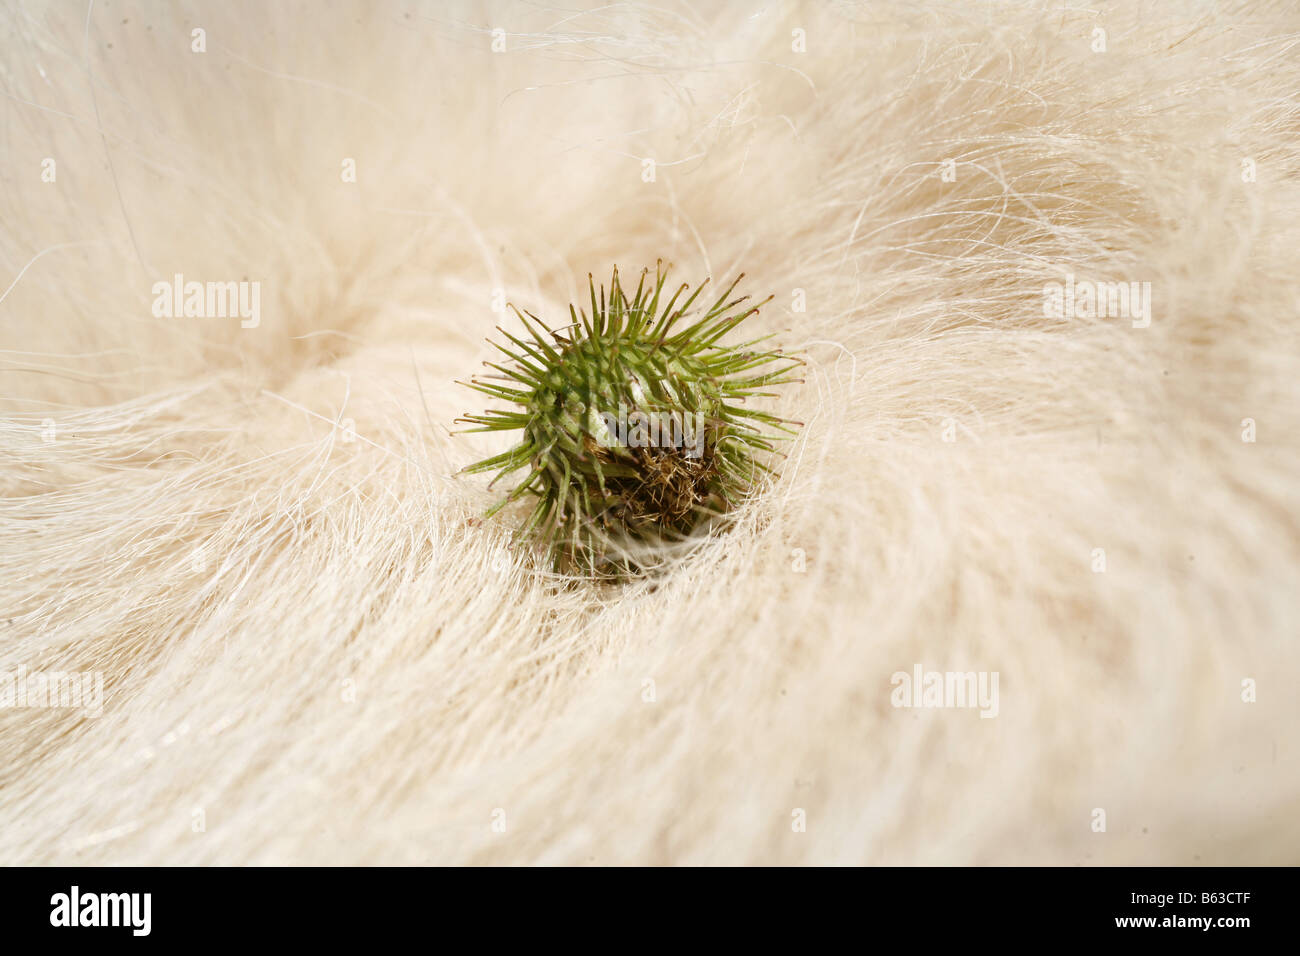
(314, 650)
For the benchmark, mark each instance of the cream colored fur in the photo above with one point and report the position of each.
(314, 651)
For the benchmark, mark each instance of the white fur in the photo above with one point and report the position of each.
(313, 649)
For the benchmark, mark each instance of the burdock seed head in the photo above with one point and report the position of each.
(635, 430)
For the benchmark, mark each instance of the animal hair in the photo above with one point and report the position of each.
(315, 649)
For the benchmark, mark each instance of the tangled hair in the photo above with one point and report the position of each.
(1040, 264)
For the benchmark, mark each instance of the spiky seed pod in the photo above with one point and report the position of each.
(634, 430)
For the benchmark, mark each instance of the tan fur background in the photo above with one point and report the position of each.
(312, 650)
